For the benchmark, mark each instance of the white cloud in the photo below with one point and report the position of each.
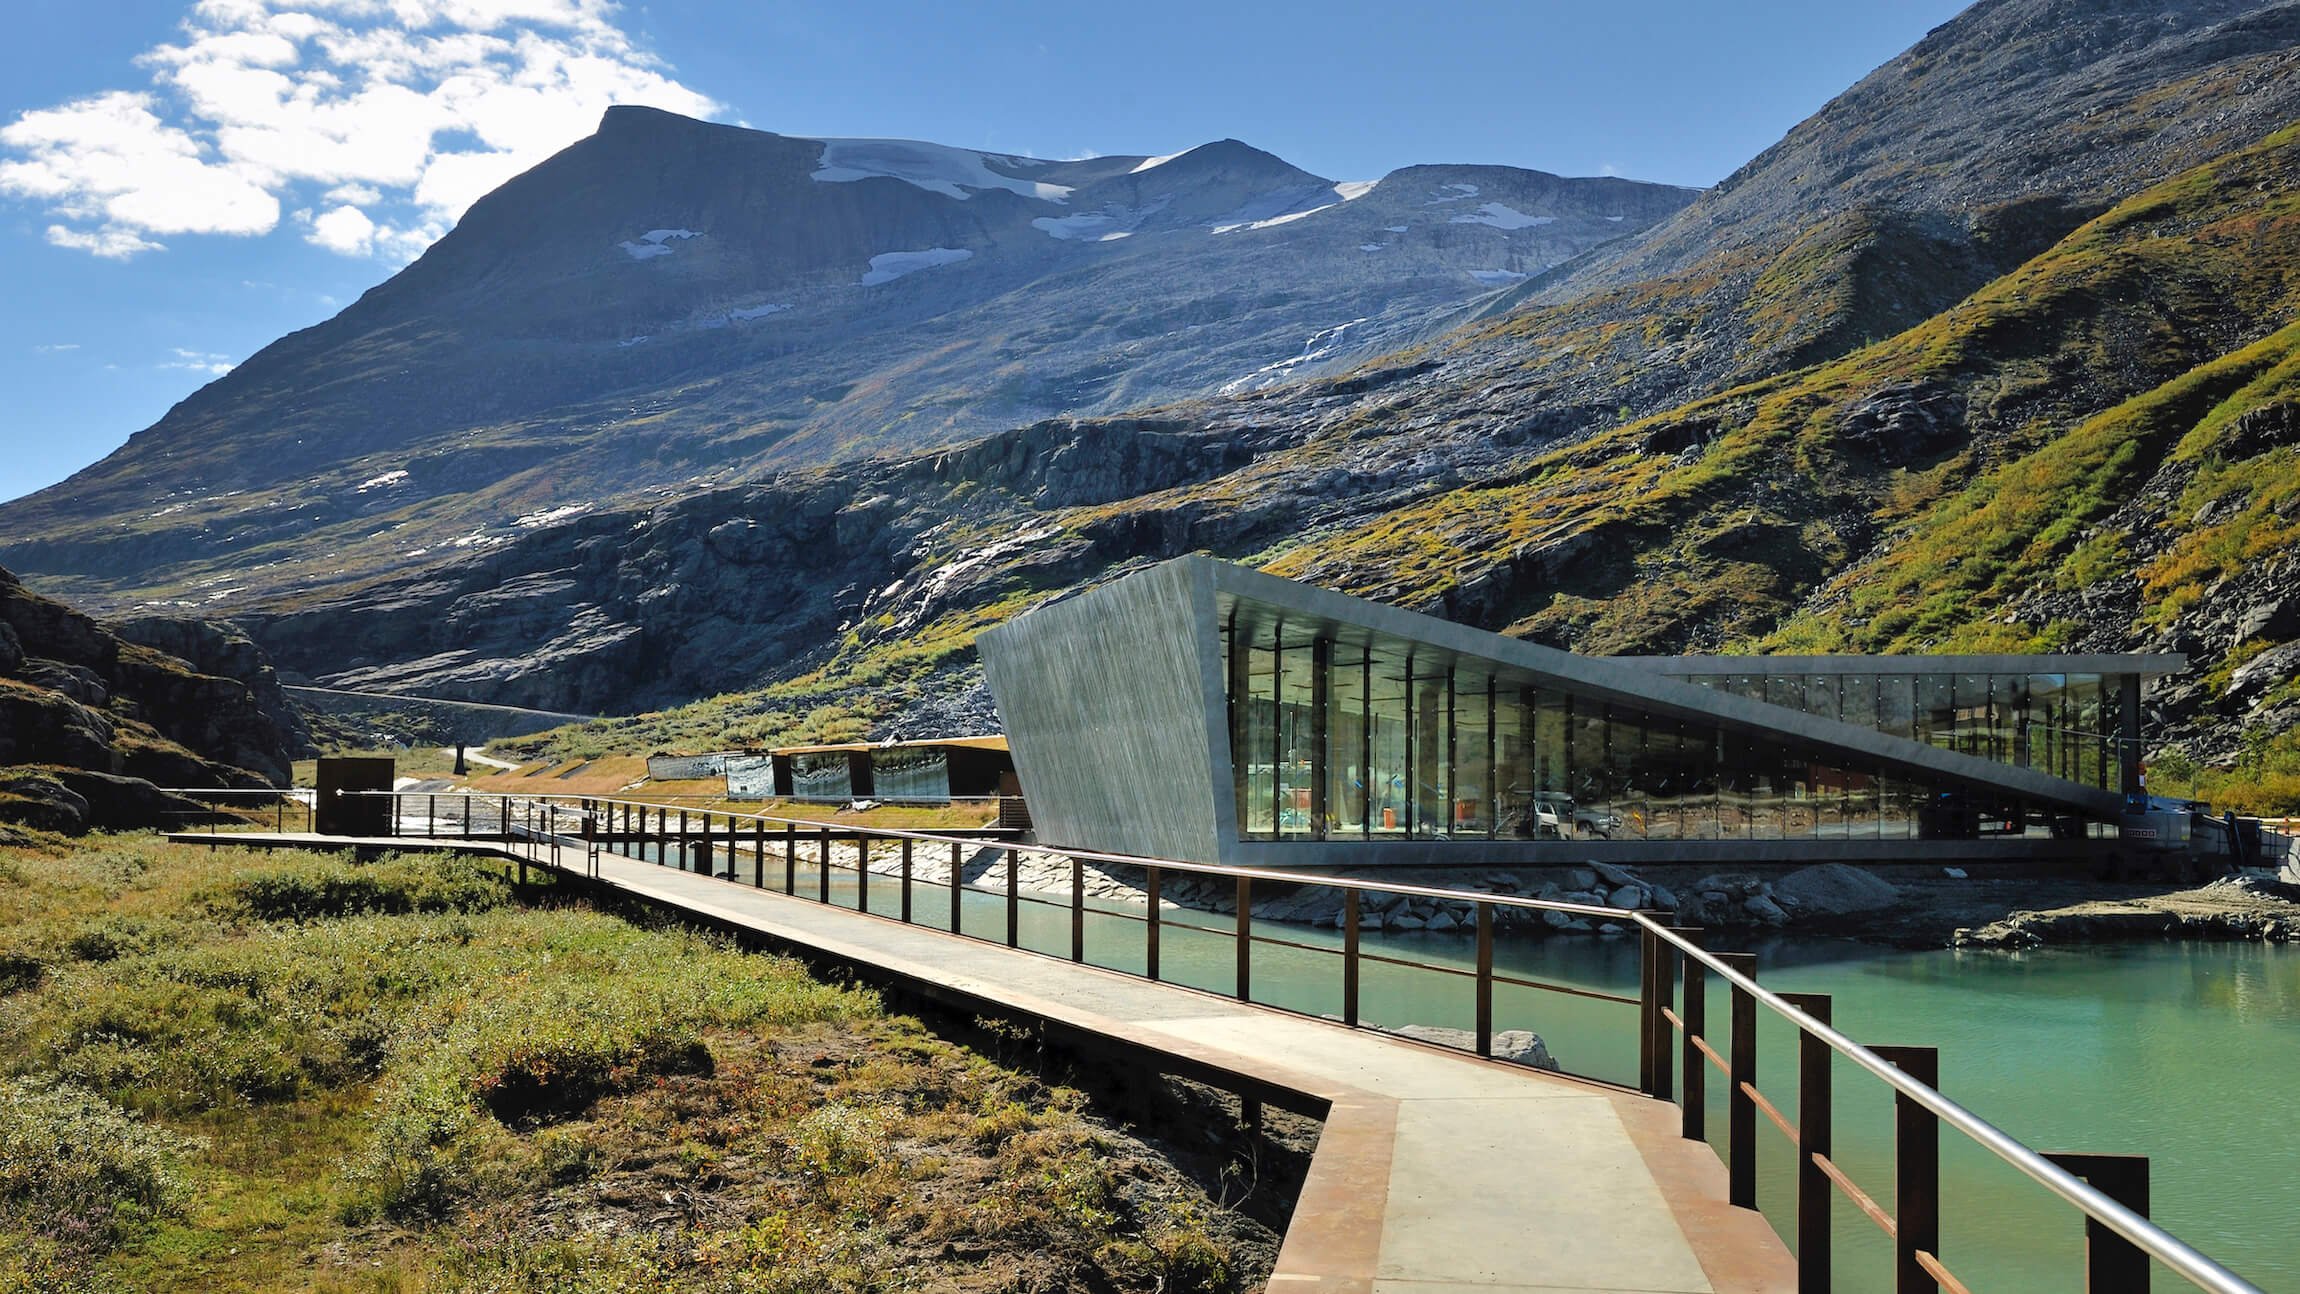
(346, 230)
(200, 361)
(113, 244)
(386, 117)
(55, 347)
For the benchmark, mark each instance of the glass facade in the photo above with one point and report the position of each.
(914, 774)
(1353, 737)
(2062, 725)
(822, 775)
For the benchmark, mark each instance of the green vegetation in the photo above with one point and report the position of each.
(221, 1068)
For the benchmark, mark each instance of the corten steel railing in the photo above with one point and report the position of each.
(2110, 1192)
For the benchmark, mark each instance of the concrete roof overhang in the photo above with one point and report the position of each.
(1322, 612)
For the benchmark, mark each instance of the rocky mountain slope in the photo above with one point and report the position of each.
(671, 301)
(94, 718)
(1996, 351)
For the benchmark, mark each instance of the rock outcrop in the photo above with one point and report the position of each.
(93, 723)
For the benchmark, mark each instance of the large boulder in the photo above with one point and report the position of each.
(1835, 889)
(38, 798)
(128, 803)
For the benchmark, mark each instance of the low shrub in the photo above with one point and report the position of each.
(78, 1170)
(315, 888)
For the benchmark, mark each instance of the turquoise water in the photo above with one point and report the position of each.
(2186, 1053)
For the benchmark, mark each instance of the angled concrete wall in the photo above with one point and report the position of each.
(1113, 708)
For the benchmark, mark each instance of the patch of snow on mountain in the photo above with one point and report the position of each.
(1395, 229)
(1616, 219)
(937, 168)
(1503, 216)
(377, 482)
(655, 242)
(1321, 345)
(550, 516)
(640, 340)
(1452, 193)
(1090, 227)
(1352, 190)
(756, 312)
(1277, 209)
(1150, 163)
(1498, 278)
(1371, 247)
(886, 267)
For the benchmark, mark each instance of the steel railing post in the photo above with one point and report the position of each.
(1013, 897)
(1648, 1008)
(2112, 1264)
(957, 892)
(1077, 910)
(1740, 1106)
(394, 813)
(1693, 1067)
(1350, 912)
(862, 874)
(503, 818)
(823, 866)
(1485, 979)
(791, 859)
(1815, 1193)
(1664, 995)
(1916, 1173)
(906, 843)
(1150, 945)
(431, 815)
(1245, 939)
(759, 854)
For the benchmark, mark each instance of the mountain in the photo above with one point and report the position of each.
(671, 301)
(1996, 351)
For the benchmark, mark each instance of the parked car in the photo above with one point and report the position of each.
(1556, 816)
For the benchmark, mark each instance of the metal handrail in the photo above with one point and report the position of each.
(1088, 855)
(2158, 1243)
(2151, 1239)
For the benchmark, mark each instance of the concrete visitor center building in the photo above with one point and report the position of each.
(1207, 712)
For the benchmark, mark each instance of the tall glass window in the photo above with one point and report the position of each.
(1297, 746)
(1474, 702)
(1433, 750)
(1897, 706)
(1389, 781)
(1514, 779)
(1936, 715)
(1346, 744)
(1255, 736)
(1860, 700)
(1821, 696)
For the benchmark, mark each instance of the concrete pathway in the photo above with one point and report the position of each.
(1436, 1172)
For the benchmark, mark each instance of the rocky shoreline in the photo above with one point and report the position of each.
(2236, 908)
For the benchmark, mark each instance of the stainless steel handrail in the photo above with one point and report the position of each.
(2158, 1243)
(2176, 1255)
(1125, 860)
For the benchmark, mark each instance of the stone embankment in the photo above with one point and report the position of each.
(1817, 896)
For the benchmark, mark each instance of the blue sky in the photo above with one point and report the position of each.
(182, 183)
